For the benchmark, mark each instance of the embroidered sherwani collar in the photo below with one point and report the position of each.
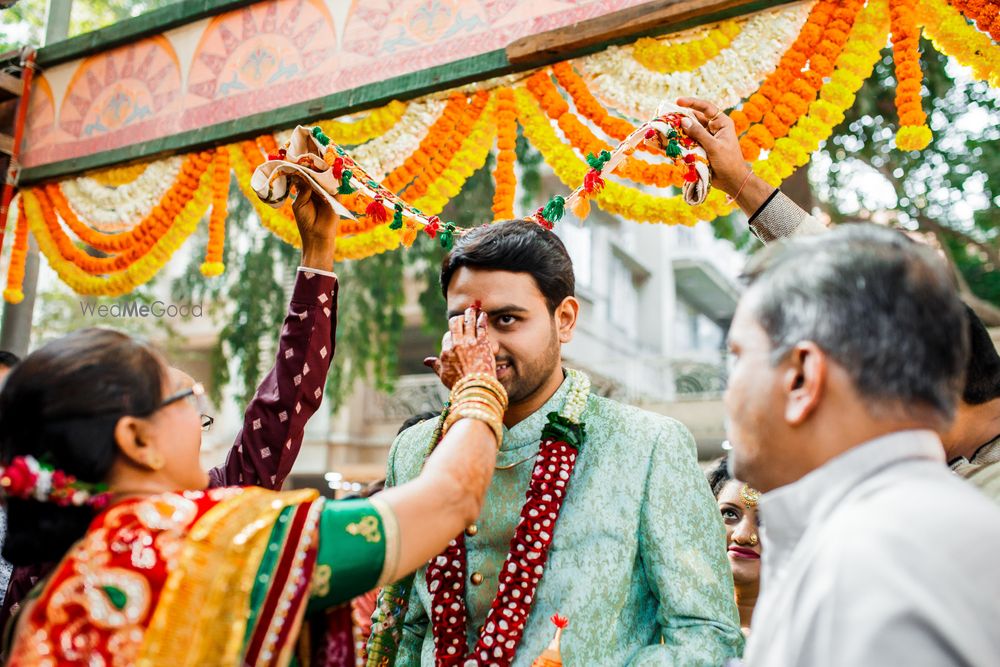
(526, 434)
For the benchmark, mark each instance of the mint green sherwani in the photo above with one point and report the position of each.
(639, 551)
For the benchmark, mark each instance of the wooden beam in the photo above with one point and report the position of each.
(134, 29)
(11, 84)
(651, 18)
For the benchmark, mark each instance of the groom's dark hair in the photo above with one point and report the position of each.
(518, 246)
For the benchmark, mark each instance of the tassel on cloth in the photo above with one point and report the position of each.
(552, 657)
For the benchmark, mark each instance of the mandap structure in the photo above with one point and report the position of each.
(132, 132)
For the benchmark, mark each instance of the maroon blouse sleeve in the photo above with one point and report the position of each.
(290, 394)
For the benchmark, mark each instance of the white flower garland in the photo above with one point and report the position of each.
(621, 82)
(117, 209)
(382, 155)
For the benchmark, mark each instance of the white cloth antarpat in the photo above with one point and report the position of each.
(695, 192)
(303, 158)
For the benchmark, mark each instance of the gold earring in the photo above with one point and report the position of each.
(154, 461)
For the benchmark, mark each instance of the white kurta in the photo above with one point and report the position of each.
(880, 557)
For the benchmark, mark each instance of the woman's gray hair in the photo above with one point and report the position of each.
(880, 305)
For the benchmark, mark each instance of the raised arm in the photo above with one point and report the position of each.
(771, 214)
(291, 392)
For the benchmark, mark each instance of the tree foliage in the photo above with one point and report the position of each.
(949, 191)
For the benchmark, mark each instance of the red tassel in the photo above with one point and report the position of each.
(690, 158)
(432, 227)
(592, 182)
(650, 133)
(691, 175)
(376, 211)
(559, 621)
(272, 156)
(338, 168)
(540, 219)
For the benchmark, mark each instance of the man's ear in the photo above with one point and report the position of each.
(804, 381)
(566, 317)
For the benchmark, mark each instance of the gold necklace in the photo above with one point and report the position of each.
(514, 465)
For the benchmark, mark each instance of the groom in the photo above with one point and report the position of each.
(637, 559)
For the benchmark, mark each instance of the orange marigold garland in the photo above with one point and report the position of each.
(18, 257)
(141, 239)
(145, 232)
(503, 175)
(984, 13)
(213, 265)
(786, 94)
(580, 136)
(913, 132)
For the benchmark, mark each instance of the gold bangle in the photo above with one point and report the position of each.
(480, 392)
(482, 380)
(480, 397)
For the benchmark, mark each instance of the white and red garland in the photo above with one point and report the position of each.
(525, 563)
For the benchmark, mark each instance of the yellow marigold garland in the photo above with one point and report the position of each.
(18, 257)
(953, 36)
(503, 176)
(664, 55)
(913, 132)
(375, 124)
(116, 176)
(836, 97)
(213, 265)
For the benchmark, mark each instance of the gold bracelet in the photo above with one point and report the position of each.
(480, 397)
(481, 380)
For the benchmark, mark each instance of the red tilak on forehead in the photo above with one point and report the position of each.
(478, 305)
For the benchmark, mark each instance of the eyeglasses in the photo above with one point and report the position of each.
(196, 394)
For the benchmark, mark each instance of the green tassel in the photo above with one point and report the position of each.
(597, 162)
(672, 134)
(320, 137)
(341, 152)
(553, 211)
(447, 236)
(345, 183)
(397, 218)
(673, 148)
(373, 185)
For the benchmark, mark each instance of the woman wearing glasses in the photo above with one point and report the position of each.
(99, 442)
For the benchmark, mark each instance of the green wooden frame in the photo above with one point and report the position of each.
(404, 87)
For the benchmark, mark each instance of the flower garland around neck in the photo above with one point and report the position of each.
(522, 570)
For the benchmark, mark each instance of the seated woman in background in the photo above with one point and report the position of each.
(100, 440)
(738, 506)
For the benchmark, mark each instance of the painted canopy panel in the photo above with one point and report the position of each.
(266, 56)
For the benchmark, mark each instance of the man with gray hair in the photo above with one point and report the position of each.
(848, 355)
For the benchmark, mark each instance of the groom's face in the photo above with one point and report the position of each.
(521, 326)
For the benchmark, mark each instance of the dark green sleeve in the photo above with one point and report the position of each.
(358, 545)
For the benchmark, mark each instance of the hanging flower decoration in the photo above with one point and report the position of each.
(14, 293)
(796, 70)
(667, 55)
(503, 175)
(951, 34)
(913, 132)
(985, 14)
